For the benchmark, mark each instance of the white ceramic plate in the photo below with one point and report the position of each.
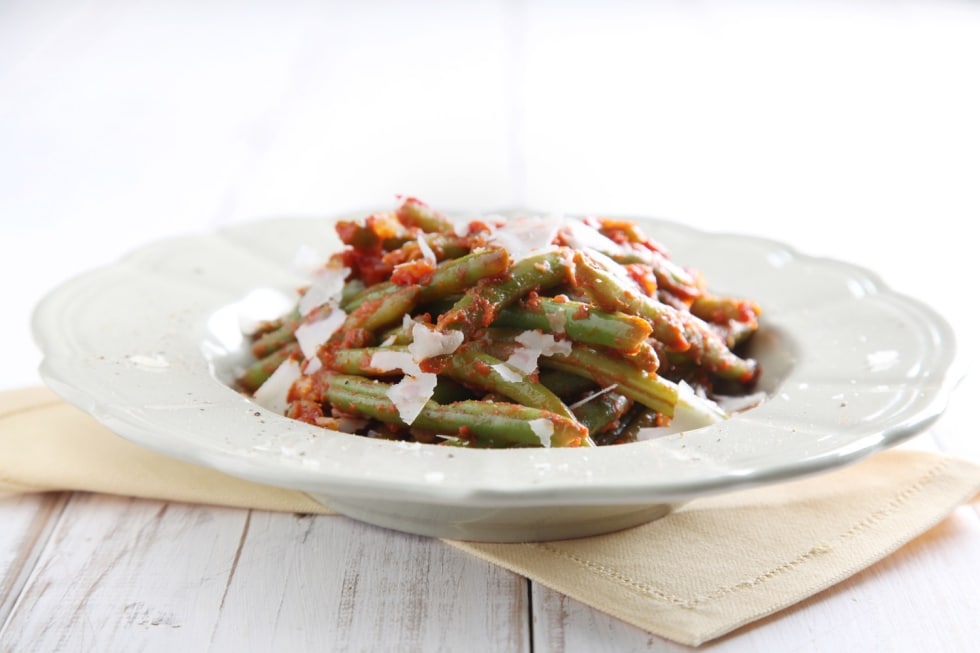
(148, 346)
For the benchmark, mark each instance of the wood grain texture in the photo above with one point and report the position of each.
(304, 583)
(28, 521)
(131, 575)
(87, 591)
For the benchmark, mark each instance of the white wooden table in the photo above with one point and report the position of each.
(845, 131)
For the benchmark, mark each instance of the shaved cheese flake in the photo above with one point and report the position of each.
(311, 365)
(311, 335)
(407, 321)
(461, 228)
(525, 359)
(452, 438)
(691, 412)
(597, 393)
(411, 394)
(528, 235)
(580, 235)
(427, 254)
(557, 322)
(544, 429)
(506, 372)
(272, 394)
(327, 286)
(388, 361)
(545, 342)
(534, 345)
(305, 261)
(427, 342)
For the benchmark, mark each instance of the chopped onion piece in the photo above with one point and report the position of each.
(272, 394)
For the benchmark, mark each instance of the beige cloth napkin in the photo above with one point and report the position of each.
(713, 565)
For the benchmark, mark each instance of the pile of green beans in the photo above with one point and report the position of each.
(632, 324)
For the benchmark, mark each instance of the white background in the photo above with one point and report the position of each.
(843, 128)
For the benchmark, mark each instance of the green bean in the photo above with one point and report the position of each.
(670, 276)
(478, 369)
(640, 385)
(267, 326)
(258, 372)
(611, 294)
(491, 424)
(380, 311)
(677, 330)
(636, 322)
(638, 418)
(376, 231)
(414, 213)
(473, 368)
(276, 339)
(450, 277)
(718, 309)
(599, 412)
(457, 275)
(579, 322)
(397, 335)
(480, 305)
(352, 287)
(286, 333)
(367, 294)
(447, 391)
(358, 361)
(567, 386)
(444, 246)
